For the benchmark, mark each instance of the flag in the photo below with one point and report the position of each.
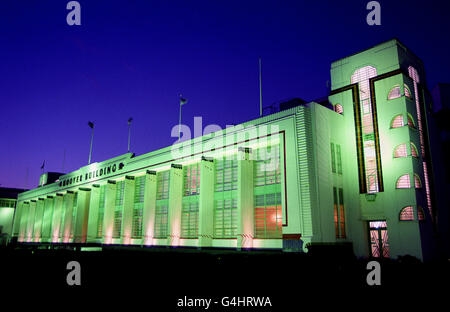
(43, 165)
(182, 100)
(91, 124)
(130, 120)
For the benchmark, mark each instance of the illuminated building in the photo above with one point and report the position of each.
(358, 173)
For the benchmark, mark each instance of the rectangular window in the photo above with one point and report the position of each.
(379, 245)
(339, 212)
(225, 218)
(189, 220)
(333, 159)
(139, 187)
(117, 228)
(161, 213)
(163, 185)
(101, 211)
(191, 179)
(338, 158)
(267, 166)
(268, 216)
(336, 213)
(226, 173)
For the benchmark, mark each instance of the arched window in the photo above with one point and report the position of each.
(397, 121)
(407, 214)
(411, 121)
(417, 182)
(394, 93)
(400, 151)
(414, 152)
(404, 182)
(407, 92)
(420, 214)
(338, 109)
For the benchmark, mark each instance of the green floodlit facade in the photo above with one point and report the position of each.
(360, 174)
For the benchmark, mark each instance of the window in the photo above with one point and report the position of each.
(163, 184)
(7, 203)
(333, 159)
(161, 213)
(268, 216)
(407, 214)
(400, 151)
(414, 152)
(411, 121)
(404, 182)
(338, 158)
(226, 173)
(407, 92)
(339, 213)
(397, 121)
(101, 211)
(139, 187)
(394, 93)
(191, 179)
(338, 109)
(379, 244)
(267, 166)
(417, 182)
(120, 188)
(225, 218)
(189, 220)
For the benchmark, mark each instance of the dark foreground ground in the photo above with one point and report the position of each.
(160, 277)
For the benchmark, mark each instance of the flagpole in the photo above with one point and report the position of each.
(92, 140)
(179, 120)
(129, 133)
(260, 89)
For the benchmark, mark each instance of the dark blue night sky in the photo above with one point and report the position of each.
(133, 58)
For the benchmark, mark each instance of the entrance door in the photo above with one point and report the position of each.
(379, 245)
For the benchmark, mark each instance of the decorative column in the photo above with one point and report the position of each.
(56, 222)
(94, 204)
(47, 219)
(68, 207)
(127, 212)
(175, 205)
(81, 224)
(245, 207)
(23, 222)
(206, 203)
(148, 213)
(30, 221)
(108, 216)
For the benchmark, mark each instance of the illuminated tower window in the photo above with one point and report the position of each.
(411, 121)
(338, 109)
(404, 182)
(407, 214)
(415, 77)
(339, 213)
(394, 93)
(417, 182)
(397, 121)
(379, 244)
(400, 151)
(362, 76)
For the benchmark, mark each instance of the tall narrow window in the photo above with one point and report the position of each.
(404, 182)
(338, 159)
(225, 218)
(336, 212)
(268, 216)
(333, 159)
(189, 220)
(139, 187)
(101, 211)
(341, 213)
(161, 213)
(267, 166)
(192, 179)
(163, 185)
(407, 214)
(226, 173)
(400, 151)
(394, 93)
(117, 227)
(397, 121)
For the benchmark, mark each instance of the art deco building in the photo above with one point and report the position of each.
(356, 169)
